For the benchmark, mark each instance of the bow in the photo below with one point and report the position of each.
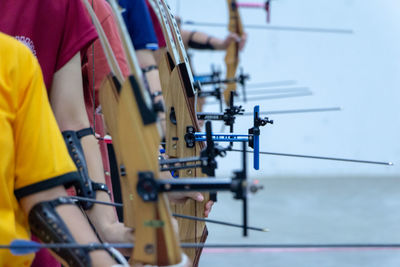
(132, 123)
(179, 96)
(232, 52)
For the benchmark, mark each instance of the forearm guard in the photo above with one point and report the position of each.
(84, 187)
(49, 227)
(201, 46)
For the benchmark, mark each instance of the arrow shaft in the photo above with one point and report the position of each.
(320, 157)
(279, 96)
(279, 90)
(271, 84)
(119, 205)
(221, 223)
(38, 246)
(290, 111)
(219, 81)
(276, 28)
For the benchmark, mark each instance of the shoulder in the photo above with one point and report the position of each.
(11, 47)
(17, 68)
(135, 7)
(101, 8)
(15, 56)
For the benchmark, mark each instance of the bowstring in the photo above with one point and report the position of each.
(93, 85)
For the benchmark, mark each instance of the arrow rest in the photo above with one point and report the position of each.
(228, 116)
(172, 116)
(253, 136)
(215, 74)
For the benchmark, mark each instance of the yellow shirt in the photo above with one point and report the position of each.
(32, 149)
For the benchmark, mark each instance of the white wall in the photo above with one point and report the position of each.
(358, 72)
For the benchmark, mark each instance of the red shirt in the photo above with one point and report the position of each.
(54, 30)
(157, 27)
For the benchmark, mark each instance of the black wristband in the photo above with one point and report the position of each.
(149, 68)
(201, 46)
(155, 94)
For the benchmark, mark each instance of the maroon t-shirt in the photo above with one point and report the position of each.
(54, 30)
(157, 26)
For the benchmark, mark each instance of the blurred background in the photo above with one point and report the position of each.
(306, 200)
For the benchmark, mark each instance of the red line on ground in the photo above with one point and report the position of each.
(288, 250)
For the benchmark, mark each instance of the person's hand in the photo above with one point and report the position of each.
(182, 197)
(118, 233)
(200, 103)
(232, 37)
(208, 208)
(242, 41)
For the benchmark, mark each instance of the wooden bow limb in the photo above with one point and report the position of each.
(177, 81)
(168, 59)
(132, 125)
(156, 242)
(232, 52)
(109, 94)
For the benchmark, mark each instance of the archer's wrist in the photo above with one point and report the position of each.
(217, 43)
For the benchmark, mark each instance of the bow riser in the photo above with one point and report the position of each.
(183, 106)
(165, 69)
(184, 109)
(139, 137)
(109, 99)
(169, 56)
(180, 96)
(134, 127)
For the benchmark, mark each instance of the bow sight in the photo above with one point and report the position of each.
(206, 161)
(253, 136)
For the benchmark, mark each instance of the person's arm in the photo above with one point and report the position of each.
(42, 167)
(73, 218)
(201, 40)
(68, 105)
(148, 64)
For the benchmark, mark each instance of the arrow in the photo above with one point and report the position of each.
(274, 28)
(119, 205)
(279, 90)
(319, 157)
(21, 247)
(278, 96)
(289, 111)
(220, 222)
(271, 84)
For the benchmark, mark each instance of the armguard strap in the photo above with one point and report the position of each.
(149, 68)
(49, 227)
(85, 187)
(200, 46)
